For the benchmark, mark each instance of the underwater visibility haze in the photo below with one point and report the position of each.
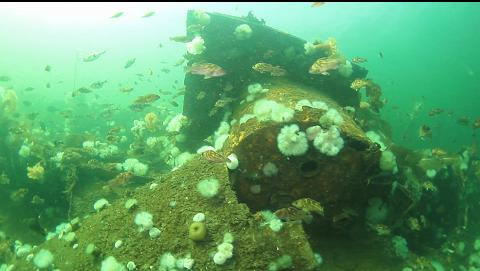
(239, 136)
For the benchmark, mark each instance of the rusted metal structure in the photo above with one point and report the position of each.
(339, 182)
(237, 58)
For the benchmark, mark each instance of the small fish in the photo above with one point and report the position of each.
(215, 157)
(465, 121)
(201, 95)
(268, 54)
(380, 54)
(228, 87)
(178, 94)
(208, 70)
(325, 64)
(174, 103)
(329, 47)
(160, 45)
(5, 78)
(164, 92)
(148, 14)
(429, 186)
(435, 111)
(47, 85)
(291, 214)
(52, 109)
(359, 60)
(414, 224)
(120, 180)
(129, 63)
(138, 107)
(33, 116)
(381, 230)
(146, 99)
(213, 111)
(165, 70)
(114, 130)
(4, 179)
(48, 68)
(107, 113)
(16, 130)
(262, 67)
(66, 114)
(345, 215)
(221, 103)
(112, 138)
(98, 84)
(118, 14)
(309, 205)
(58, 143)
(36, 200)
(179, 62)
(317, 4)
(81, 90)
(183, 39)
(439, 152)
(27, 103)
(424, 132)
(126, 89)
(107, 105)
(93, 56)
(476, 124)
(438, 163)
(357, 84)
(84, 90)
(18, 194)
(195, 28)
(28, 89)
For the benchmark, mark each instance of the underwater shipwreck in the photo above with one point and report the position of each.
(279, 161)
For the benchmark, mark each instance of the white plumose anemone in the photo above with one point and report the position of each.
(196, 46)
(243, 32)
(329, 141)
(291, 141)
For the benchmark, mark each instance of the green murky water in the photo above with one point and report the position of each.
(99, 99)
